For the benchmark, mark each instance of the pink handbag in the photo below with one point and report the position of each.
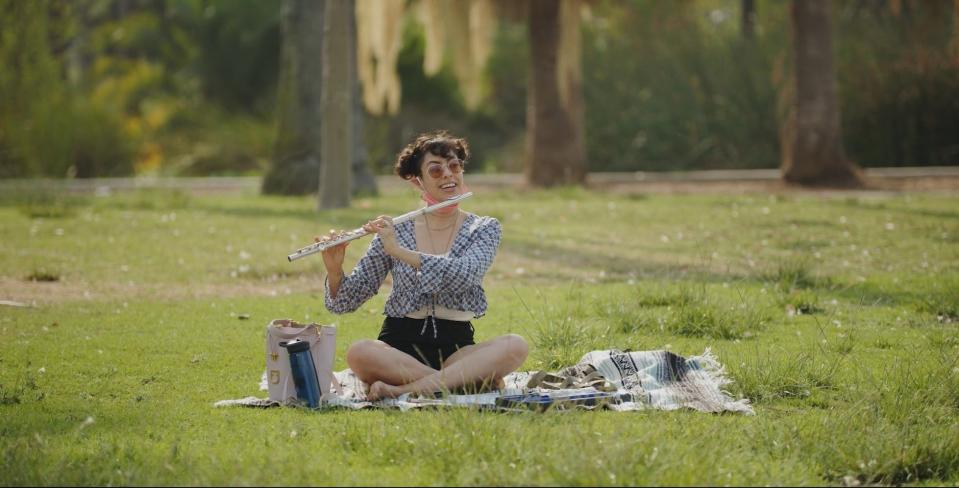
(322, 341)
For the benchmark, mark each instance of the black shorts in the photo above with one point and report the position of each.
(407, 335)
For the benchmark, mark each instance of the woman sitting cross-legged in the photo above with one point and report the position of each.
(438, 261)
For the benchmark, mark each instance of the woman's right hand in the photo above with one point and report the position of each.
(333, 257)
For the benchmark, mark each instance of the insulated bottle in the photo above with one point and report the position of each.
(304, 372)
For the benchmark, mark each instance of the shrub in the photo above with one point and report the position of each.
(74, 138)
(99, 145)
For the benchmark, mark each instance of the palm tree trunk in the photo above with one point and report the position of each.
(555, 146)
(337, 107)
(812, 145)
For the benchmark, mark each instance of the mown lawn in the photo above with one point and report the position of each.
(835, 314)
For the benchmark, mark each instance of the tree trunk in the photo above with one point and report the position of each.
(955, 32)
(296, 152)
(555, 147)
(812, 143)
(339, 77)
(748, 21)
(363, 181)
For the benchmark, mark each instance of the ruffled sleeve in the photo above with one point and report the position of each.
(363, 282)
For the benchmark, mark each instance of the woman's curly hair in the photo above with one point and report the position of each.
(440, 143)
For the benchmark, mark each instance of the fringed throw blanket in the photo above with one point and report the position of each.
(615, 380)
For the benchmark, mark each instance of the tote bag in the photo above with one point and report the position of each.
(279, 378)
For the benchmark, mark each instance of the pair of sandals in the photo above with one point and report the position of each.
(569, 378)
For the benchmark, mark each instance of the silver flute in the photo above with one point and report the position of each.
(360, 232)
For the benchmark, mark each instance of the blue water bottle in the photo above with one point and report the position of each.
(304, 372)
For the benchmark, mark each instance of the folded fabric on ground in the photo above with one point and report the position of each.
(610, 379)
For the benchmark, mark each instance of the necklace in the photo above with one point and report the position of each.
(452, 222)
(429, 234)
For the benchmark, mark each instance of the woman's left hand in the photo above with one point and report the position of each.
(383, 225)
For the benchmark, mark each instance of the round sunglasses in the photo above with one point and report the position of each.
(455, 165)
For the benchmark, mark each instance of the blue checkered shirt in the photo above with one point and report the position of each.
(453, 280)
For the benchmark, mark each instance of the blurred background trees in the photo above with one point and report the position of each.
(298, 144)
(191, 87)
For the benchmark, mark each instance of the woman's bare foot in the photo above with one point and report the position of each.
(379, 390)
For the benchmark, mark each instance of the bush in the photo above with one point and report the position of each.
(99, 145)
(63, 137)
(899, 85)
(664, 91)
(205, 141)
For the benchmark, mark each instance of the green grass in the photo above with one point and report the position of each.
(836, 316)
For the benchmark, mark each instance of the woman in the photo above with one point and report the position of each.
(437, 261)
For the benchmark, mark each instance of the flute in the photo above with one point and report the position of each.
(360, 232)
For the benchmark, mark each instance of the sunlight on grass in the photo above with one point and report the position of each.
(688, 311)
(835, 316)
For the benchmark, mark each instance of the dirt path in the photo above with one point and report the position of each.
(39, 294)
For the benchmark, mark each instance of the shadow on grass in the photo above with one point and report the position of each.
(276, 273)
(346, 217)
(43, 203)
(799, 222)
(885, 207)
(876, 295)
(616, 267)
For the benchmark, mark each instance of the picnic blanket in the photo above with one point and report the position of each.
(608, 379)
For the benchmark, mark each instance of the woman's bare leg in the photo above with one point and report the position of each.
(467, 350)
(374, 361)
(484, 363)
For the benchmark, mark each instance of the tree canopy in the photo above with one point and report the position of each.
(189, 87)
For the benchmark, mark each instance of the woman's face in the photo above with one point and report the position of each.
(442, 177)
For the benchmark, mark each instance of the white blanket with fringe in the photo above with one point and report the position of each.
(627, 381)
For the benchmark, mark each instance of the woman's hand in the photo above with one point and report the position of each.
(333, 257)
(383, 225)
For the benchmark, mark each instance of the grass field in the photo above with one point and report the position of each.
(836, 315)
